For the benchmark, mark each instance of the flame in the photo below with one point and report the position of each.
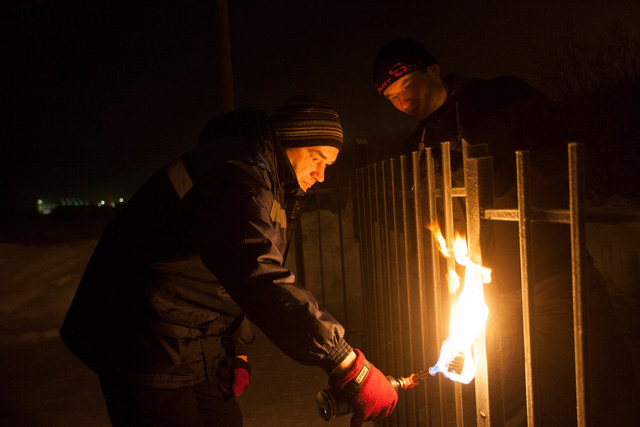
(468, 315)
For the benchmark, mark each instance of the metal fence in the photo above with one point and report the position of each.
(406, 307)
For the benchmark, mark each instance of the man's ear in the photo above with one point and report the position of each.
(434, 70)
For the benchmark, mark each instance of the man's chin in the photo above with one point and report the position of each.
(414, 113)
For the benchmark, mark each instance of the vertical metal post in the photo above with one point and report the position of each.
(439, 324)
(320, 258)
(365, 258)
(375, 338)
(389, 320)
(342, 266)
(451, 263)
(420, 254)
(578, 251)
(381, 311)
(528, 319)
(401, 326)
(224, 48)
(487, 348)
(407, 248)
(299, 251)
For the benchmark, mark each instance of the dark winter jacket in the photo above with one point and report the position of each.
(194, 254)
(507, 114)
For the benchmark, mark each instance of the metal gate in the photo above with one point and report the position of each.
(405, 308)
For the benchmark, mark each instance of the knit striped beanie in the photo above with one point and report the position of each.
(303, 121)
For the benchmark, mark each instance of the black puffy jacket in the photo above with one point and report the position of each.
(194, 254)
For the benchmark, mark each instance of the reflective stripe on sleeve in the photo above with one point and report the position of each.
(179, 177)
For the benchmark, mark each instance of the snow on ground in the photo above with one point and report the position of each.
(43, 384)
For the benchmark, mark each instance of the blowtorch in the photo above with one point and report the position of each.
(334, 402)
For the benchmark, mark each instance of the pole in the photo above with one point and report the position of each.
(224, 49)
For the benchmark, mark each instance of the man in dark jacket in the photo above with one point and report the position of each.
(162, 313)
(508, 115)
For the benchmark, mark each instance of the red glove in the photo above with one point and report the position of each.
(371, 395)
(233, 375)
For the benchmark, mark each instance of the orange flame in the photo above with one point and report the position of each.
(468, 315)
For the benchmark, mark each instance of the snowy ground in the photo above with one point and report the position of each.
(43, 384)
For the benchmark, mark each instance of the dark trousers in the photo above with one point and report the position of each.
(201, 405)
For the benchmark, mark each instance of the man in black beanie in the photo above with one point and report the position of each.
(508, 115)
(164, 309)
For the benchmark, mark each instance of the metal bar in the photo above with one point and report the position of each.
(385, 281)
(455, 192)
(578, 255)
(380, 267)
(373, 209)
(420, 253)
(389, 317)
(439, 324)
(401, 366)
(487, 350)
(299, 251)
(458, 192)
(524, 210)
(224, 52)
(535, 215)
(407, 251)
(373, 297)
(342, 266)
(364, 256)
(321, 262)
(500, 214)
(451, 263)
(563, 216)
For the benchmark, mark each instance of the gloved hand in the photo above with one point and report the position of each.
(373, 398)
(233, 375)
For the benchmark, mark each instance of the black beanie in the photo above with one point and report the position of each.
(303, 121)
(398, 58)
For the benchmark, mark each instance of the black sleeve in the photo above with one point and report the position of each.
(241, 245)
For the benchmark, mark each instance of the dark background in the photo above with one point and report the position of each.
(97, 95)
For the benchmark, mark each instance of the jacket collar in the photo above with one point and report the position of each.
(286, 173)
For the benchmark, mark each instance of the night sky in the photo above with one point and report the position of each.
(97, 95)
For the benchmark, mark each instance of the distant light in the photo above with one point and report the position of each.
(40, 201)
(113, 205)
(121, 200)
(101, 202)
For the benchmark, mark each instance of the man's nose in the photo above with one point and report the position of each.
(405, 102)
(318, 174)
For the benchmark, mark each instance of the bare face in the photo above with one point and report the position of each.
(418, 94)
(309, 163)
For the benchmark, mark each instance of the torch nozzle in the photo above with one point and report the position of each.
(455, 366)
